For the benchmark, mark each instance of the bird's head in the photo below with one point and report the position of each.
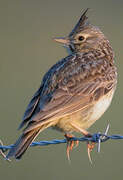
(84, 37)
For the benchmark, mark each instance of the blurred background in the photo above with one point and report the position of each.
(27, 51)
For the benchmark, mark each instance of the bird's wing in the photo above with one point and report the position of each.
(43, 94)
(73, 87)
(31, 108)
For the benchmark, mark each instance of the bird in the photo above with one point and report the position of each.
(75, 92)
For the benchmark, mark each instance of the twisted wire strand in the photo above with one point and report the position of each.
(97, 137)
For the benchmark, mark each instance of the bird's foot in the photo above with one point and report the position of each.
(90, 147)
(70, 144)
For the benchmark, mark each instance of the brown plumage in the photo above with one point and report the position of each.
(76, 91)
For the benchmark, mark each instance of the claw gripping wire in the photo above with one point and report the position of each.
(95, 138)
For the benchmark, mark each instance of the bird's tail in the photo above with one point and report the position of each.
(23, 143)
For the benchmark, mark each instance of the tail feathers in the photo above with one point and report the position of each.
(22, 144)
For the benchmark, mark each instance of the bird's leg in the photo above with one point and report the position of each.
(83, 131)
(70, 144)
(90, 145)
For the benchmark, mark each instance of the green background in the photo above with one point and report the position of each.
(26, 53)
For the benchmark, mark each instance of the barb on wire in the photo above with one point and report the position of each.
(96, 138)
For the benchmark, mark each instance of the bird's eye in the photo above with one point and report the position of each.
(81, 38)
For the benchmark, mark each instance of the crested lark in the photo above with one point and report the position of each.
(76, 91)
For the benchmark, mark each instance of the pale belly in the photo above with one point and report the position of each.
(101, 106)
(86, 117)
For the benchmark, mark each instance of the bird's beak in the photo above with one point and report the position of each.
(62, 40)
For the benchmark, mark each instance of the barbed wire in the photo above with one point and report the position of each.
(96, 138)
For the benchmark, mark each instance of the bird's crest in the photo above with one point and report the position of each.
(81, 24)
